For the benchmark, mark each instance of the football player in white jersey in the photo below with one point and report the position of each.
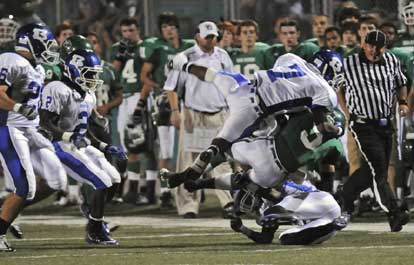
(65, 108)
(291, 84)
(21, 80)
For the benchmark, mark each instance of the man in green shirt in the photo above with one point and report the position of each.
(248, 58)
(157, 52)
(319, 24)
(289, 36)
(333, 40)
(126, 60)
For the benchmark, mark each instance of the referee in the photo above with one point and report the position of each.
(374, 79)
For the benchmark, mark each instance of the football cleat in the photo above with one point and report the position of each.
(101, 238)
(398, 220)
(4, 245)
(173, 179)
(16, 231)
(166, 200)
(341, 222)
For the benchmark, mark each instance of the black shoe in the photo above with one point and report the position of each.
(16, 231)
(166, 200)
(397, 220)
(228, 211)
(189, 215)
(173, 179)
(100, 238)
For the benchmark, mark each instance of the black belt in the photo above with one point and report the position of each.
(376, 122)
(207, 112)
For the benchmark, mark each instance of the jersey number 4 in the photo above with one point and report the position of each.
(128, 72)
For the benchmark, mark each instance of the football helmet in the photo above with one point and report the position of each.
(337, 118)
(8, 30)
(135, 139)
(82, 68)
(73, 43)
(330, 65)
(38, 39)
(408, 14)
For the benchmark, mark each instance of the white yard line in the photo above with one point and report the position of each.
(179, 222)
(216, 251)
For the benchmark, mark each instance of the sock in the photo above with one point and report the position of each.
(4, 226)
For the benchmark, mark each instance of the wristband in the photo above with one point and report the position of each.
(66, 136)
(16, 107)
(174, 110)
(102, 146)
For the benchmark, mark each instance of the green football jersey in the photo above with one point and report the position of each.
(159, 52)
(406, 62)
(300, 143)
(406, 42)
(111, 84)
(261, 45)
(131, 70)
(305, 50)
(248, 63)
(52, 72)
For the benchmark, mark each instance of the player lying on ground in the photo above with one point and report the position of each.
(291, 85)
(278, 161)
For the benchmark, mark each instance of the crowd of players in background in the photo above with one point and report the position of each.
(136, 111)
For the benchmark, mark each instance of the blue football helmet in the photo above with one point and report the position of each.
(330, 65)
(82, 67)
(38, 39)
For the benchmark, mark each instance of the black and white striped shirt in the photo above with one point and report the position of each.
(371, 87)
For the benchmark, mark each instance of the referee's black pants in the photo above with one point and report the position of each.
(374, 142)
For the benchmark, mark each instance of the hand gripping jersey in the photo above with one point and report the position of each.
(25, 84)
(73, 110)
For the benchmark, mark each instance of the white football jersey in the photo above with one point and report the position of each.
(293, 78)
(25, 84)
(290, 79)
(73, 110)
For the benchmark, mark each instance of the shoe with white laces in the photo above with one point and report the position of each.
(4, 245)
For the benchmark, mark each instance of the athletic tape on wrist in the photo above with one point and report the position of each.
(66, 136)
(16, 107)
(210, 74)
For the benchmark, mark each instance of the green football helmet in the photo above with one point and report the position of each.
(337, 118)
(73, 43)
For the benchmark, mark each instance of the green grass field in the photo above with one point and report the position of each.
(171, 240)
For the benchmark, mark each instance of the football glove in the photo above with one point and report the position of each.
(28, 111)
(113, 150)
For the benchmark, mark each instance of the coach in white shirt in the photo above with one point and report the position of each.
(203, 113)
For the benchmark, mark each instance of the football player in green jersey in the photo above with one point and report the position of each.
(279, 161)
(349, 35)
(333, 40)
(156, 53)
(319, 24)
(248, 59)
(289, 36)
(126, 60)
